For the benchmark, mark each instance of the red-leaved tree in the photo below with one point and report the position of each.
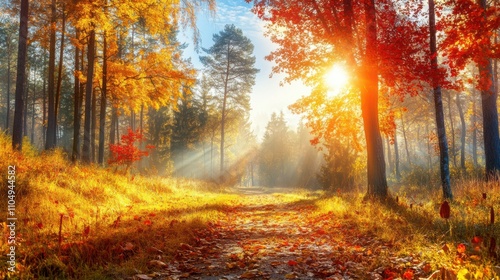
(127, 152)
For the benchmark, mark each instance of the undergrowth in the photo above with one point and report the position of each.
(83, 222)
(410, 221)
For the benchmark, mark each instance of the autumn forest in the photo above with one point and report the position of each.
(130, 148)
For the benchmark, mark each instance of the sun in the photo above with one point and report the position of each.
(336, 79)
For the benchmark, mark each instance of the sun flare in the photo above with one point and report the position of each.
(336, 79)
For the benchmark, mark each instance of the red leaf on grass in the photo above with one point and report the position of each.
(86, 231)
(477, 240)
(461, 248)
(292, 263)
(408, 274)
(444, 211)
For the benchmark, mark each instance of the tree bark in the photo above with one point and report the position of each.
(474, 130)
(17, 133)
(490, 117)
(377, 182)
(9, 54)
(438, 105)
(389, 155)
(93, 127)
(86, 157)
(223, 114)
(75, 155)
(102, 115)
(59, 72)
(462, 133)
(452, 126)
(403, 128)
(396, 153)
(33, 101)
(50, 142)
(26, 95)
(44, 102)
(113, 125)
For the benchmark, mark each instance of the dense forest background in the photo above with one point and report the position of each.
(95, 70)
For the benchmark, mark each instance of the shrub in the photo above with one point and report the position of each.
(127, 152)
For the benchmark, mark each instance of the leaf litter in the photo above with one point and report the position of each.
(266, 239)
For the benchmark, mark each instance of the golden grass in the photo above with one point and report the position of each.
(146, 213)
(413, 225)
(131, 219)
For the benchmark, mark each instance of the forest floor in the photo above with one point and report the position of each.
(77, 221)
(269, 239)
(266, 238)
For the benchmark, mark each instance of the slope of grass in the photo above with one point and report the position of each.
(84, 222)
(78, 221)
(463, 245)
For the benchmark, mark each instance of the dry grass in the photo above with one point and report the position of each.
(112, 225)
(412, 223)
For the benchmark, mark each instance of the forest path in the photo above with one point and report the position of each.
(267, 238)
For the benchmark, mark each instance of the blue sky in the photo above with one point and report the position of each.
(267, 96)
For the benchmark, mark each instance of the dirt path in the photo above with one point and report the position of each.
(270, 240)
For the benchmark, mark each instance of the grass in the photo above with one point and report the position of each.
(412, 224)
(114, 225)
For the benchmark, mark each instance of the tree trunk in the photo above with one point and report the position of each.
(113, 125)
(113, 131)
(490, 116)
(17, 132)
(389, 154)
(26, 95)
(222, 133)
(50, 142)
(212, 154)
(438, 105)
(93, 127)
(32, 132)
(9, 54)
(429, 149)
(396, 153)
(452, 126)
(462, 133)
(223, 115)
(59, 72)
(44, 105)
(75, 155)
(474, 130)
(88, 97)
(132, 119)
(490, 126)
(102, 115)
(403, 128)
(377, 182)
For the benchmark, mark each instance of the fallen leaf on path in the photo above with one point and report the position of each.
(249, 274)
(157, 263)
(185, 246)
